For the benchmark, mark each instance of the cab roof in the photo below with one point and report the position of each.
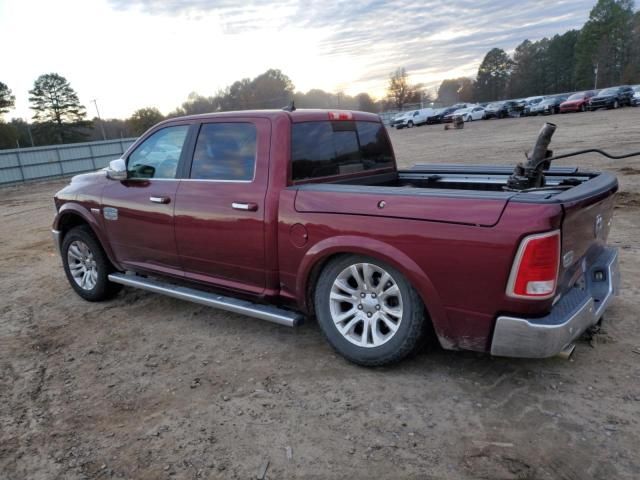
(301, 115)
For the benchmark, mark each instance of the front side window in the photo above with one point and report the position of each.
(225, 151)
(324, 148)
(159, 154)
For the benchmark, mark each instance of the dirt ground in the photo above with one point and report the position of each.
(147, 387)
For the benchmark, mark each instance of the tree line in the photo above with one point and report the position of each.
(59, 117)
(604, 52)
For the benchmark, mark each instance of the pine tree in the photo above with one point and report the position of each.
(493, 76)
(7, 100)
(605, 43)
(59, 116)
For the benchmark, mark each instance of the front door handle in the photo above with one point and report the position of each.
(247, 207)
(163, 200)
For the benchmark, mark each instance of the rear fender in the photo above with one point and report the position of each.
(378, 250)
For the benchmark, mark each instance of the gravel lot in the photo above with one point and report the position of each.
(147, 387)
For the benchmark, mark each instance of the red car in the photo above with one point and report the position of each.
(285, 214)
(578, 102)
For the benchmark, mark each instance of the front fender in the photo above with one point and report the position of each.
(379, 250)
(90, 219)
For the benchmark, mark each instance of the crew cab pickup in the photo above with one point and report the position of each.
(283, 215)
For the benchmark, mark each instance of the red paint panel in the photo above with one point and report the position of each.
(472, 211)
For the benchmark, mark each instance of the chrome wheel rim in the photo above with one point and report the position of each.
(82, 265)
(366, 305)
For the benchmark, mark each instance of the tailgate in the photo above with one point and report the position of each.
(588, 209)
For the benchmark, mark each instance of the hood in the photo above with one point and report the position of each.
(90, 177)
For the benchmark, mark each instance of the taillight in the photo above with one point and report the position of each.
(340, 116)
(535, 269)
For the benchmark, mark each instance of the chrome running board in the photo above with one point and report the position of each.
(263, 312)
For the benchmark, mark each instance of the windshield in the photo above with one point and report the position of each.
(608, 91)
(494, 105)
(576, 96)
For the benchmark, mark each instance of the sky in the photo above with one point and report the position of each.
(129, 54)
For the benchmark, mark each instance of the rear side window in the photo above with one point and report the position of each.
(321, 149)
(225, 151)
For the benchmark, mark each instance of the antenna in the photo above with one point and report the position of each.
(290, 108)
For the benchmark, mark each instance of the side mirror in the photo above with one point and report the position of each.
(117, 170)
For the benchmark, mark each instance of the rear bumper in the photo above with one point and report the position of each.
(576, 311)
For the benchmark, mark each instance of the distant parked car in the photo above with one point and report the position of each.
(613, 97)
(528, 103)
(438, 116)
(397, 118)
(577, 102)
(548, 106)
(508, 108)
(635, 101)
(468, 114)
(415, 118)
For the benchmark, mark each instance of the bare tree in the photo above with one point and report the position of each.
(399, 91)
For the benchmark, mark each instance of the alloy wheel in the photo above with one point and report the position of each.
(366, 305)
(82, 265)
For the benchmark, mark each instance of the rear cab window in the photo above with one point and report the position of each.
(330, 148)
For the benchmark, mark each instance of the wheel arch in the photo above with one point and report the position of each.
(72, 215)
(318, 256)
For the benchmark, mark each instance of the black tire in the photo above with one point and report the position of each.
(103, 288)
(582, 108)
(405, 340)
(410, 124)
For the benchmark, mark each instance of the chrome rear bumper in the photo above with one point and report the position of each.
(576, 311)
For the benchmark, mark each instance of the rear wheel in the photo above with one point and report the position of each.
(87, 266)
(368, 311)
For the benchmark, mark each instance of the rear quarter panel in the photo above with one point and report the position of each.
(460, 271)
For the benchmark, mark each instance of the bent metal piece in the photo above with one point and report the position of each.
(529, 175)
(243, 307)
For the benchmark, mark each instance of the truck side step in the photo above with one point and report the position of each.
(263, 312)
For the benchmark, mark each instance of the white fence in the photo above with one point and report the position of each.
(24, 164)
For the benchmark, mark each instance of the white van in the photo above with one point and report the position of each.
(415, 118)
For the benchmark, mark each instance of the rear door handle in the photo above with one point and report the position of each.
(164, 200)
(247, 207)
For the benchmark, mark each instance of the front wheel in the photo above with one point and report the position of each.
(368, 311)
(410, 124)
(469, 118)
(616, 105)
(87, 266)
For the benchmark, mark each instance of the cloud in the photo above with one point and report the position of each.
(432, 39)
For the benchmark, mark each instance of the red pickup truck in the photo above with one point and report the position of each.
(286, 214)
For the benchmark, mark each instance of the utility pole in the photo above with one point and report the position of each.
(595, 71)
(95, 102)
(30, 136)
